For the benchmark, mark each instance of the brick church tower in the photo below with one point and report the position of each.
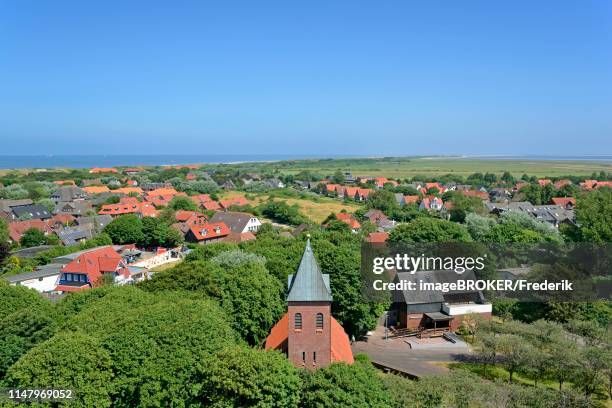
(308, 333)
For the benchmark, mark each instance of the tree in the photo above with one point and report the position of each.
(589, 373)
(594, 215)
(22, 330)
(252, 299)
(16, 298)
(563, 361)
(382, 200)
(344, 385)
(462, 205)
(478, 226)
(282, 212)
(507, 178)
(157, 233)
(71, 361)
(338, 177)
(242, 376)
(515, 352)
(182, 203)
(125, 229)
(155, 341)
(32, 237)
(429, 230)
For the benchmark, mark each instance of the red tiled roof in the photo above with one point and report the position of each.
(201, 198)
(129, 205)
(411, 199)
(238, 237)
(210, 231)
(475, 193)
(236, 201)
(332, 187)
(190, 176)
(563, 201)
(561, 183)
(17, 228)
(377, 237)
(350, 192)
(96, 189)
(211, 205)
(161, 192)
(95, 263)
(63, 219)
(544, 182)
(64, 182)
(340, 344)
(182, 215)
(349, 219)
(128, 190)
(364, 192)
(103, 170)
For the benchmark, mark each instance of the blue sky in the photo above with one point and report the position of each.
(328, 77)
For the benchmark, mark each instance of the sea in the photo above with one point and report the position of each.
(88, 161)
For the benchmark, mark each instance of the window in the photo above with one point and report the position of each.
(319, 320)
(298, 320)
(303, 356)
(314, 356)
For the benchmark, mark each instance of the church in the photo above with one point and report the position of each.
(308, 334)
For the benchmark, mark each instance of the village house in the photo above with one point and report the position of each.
(68, 194)
(96, 189)
(562, 183)
(60, 220)
(30, 212)
(88, 269)
(377, 237)
(238, 201)
(434, 309)
(544, 182)
(43, 279)
(207, 233)
(129, 205)
(18, 228)
(362, 194)
(73, 208)
(483, 195)
(431, 203)
(98, 170)
(550, 213)
(308, 333)
(379, 219)
(411, 199)
(95, 223)
(239, 222)
(350, 220)
(566, 202)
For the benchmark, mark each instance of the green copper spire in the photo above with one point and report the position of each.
(308, 283)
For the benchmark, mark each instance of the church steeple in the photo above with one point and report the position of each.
(308, 284)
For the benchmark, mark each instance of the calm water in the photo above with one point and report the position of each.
(87, 161)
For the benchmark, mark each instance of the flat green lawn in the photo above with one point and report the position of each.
(409, 167)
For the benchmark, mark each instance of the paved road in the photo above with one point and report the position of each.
(396, 354)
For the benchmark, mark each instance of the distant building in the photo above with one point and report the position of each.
(237, 221)
(425, 309)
